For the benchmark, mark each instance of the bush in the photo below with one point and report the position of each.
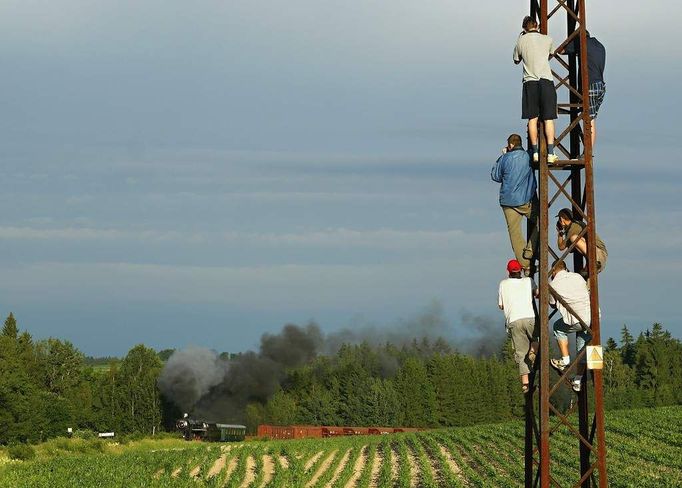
(84, 434)
(22, 452)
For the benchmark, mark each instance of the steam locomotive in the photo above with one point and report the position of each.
(201, 430)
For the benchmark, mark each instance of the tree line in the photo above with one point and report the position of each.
(45, 388)
(48, 385)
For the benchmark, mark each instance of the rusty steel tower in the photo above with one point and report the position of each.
(570, 179)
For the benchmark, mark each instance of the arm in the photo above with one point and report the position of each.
(552, 301)
(499, 298)
(560, 237)
(517, 56)
(498, 170)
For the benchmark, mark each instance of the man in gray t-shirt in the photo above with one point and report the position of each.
(539, 95)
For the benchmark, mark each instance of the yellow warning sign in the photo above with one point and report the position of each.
(595, 357)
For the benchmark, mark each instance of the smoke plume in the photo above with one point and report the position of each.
(200, 382)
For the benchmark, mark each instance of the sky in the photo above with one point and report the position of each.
(179, 173)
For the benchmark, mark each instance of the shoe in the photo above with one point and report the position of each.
(527, 389)
(527, 254)
(576, 385)
(536, 157)
(558, 364)
(531, 358)
(552, 158)
(526, 272)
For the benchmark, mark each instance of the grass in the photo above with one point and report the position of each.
(645, 451)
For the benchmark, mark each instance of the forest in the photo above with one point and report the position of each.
(47, 386)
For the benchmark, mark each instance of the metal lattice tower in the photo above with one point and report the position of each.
(574, 168)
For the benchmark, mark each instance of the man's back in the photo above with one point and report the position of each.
(513, 170)
(572, 288)
(516, 298)
(596, 59)
(534, 49)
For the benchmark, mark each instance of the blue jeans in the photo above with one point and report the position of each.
(561, 331)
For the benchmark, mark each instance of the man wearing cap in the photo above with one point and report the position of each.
(572, 289)
(568, 230)
(517, 197)
(515, 299)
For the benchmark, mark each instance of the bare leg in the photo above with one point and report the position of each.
(594, 132)
(524, 379)
(549, 131)
(563, 348)
(533, 131)
(581, 246)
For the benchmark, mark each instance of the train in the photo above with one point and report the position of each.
(202, 430)
(322, 431)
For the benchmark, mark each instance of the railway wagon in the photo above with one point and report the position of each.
(307, 431)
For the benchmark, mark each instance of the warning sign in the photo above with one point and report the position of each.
(595, 357)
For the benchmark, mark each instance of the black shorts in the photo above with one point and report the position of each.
(538, 100)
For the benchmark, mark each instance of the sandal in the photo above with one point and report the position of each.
(525, 388)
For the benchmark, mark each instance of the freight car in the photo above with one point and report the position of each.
(193, 429)
(307, 431)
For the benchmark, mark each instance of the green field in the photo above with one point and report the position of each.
(645, 450)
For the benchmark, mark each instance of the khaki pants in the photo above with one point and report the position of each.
(523, 332)
(523, 249)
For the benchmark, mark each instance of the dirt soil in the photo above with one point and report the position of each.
(414, 469)
(310, 462)
(323, 467)
(250, 472)
(217, 467)
(268, 469)
(339, 467)
(357, 469)
(376, 467)
(452, 464)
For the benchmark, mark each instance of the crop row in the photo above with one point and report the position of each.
(643, 451)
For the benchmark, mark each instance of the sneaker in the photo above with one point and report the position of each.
(576, 385)
(558, 364)
(552, 158)
(536, 157)
(531, 357)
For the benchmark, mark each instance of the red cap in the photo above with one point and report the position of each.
(513, 266)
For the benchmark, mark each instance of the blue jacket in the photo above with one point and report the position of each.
(517, 177)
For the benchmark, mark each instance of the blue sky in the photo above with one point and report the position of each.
(199, 173)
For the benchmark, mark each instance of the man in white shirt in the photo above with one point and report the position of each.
(534, 49)
(572, 289)
(515, 299)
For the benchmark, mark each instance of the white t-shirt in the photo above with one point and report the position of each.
(516, 299)
(573, 289)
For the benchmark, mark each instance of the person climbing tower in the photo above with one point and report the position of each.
(572, 289)
(568, 232)
(517, 198)
(596, 62)
(538, 100)
(515, 299)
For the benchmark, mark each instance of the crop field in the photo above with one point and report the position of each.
(645, 450)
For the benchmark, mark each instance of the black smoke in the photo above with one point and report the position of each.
(200, 382)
